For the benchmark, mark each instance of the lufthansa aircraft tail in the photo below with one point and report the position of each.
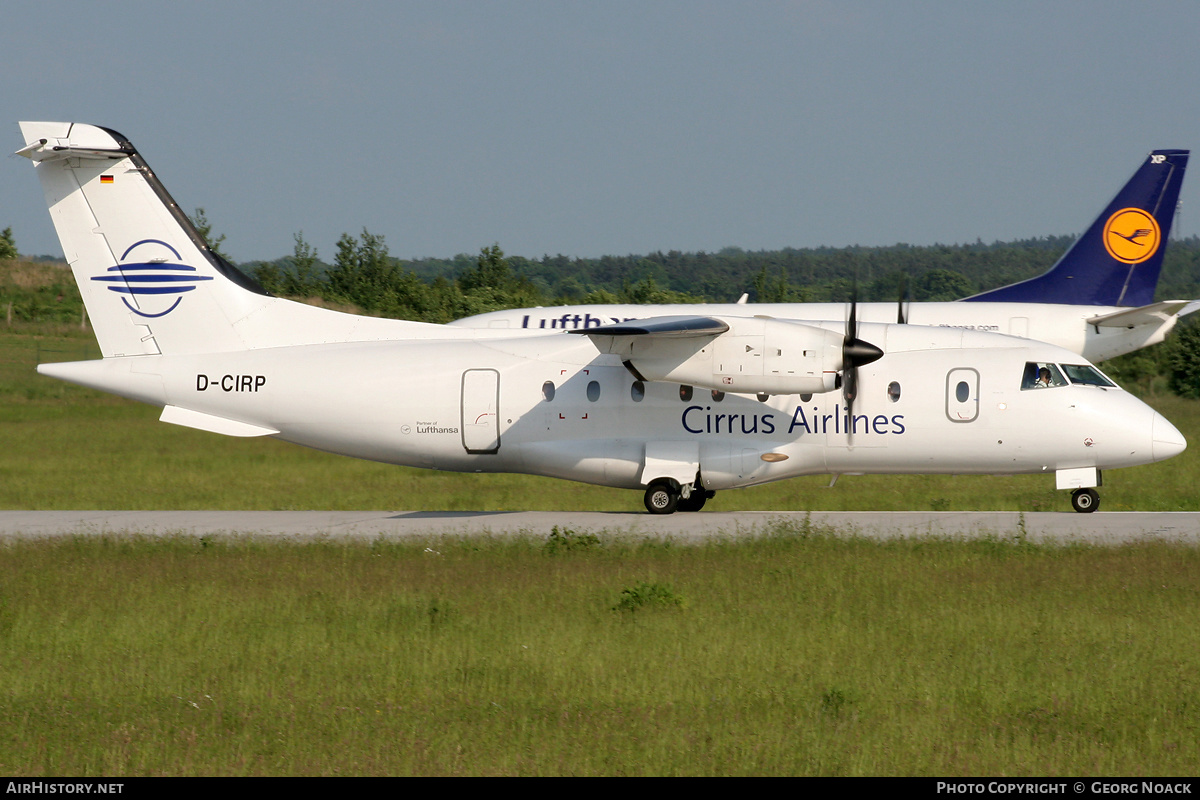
(1117, 260)
(149, 281)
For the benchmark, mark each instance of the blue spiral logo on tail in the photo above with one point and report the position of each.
(155, 286)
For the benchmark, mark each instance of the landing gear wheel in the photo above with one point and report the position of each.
(693, 503)
(1085, 500)
(661, 498)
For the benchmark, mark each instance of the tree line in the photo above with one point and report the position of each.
(438, 290)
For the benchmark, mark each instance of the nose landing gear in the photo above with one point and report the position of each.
(1085, 500)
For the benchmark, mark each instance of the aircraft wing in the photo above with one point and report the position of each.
(1153, 314)
(733, 354)
(681, 326)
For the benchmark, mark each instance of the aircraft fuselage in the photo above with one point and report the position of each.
(938, 401)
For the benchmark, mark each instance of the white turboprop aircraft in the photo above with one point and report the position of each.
(1097, 300)
(641, 406)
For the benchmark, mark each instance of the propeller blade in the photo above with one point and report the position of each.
(902, 291)
(852, 322)
(849, 349)
(855, 353)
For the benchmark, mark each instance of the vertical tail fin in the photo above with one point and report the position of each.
(149, 281)
(1117, 260)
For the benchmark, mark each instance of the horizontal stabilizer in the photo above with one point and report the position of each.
(53, 141)
(684, 326)
(1153, 314)
(211, 423)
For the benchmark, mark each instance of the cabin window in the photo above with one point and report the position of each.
(685, 393)
(962, 392)
(548, 391)
(637, 391)
(763, 397)
(1086, 375)
(1042, 375)
(717, 395)
(806, 398)
(593, 391)
(894, 392)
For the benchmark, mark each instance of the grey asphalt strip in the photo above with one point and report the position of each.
(1063, 527)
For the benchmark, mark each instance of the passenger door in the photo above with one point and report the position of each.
(962, 395)
(481, 411)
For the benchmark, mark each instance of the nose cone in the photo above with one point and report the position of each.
(1168, 441)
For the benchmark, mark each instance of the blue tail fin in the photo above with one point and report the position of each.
(1117, 261)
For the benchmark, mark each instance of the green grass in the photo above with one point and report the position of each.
(795, 654)
(64, 447)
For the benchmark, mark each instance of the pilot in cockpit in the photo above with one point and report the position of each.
(1042, 376)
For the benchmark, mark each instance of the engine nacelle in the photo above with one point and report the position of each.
(756, 355)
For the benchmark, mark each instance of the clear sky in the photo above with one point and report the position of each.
(592, 128)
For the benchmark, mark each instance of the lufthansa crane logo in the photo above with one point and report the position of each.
(1131, 235)
(145, 275)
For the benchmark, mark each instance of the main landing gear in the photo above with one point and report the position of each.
(666, 497)
(1085, 500)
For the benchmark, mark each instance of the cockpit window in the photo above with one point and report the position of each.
(1042, 375)
(1086, 374)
